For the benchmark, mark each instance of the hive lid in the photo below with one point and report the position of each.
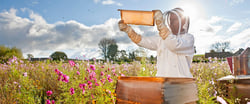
(230, 77)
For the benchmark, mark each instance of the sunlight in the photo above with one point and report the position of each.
(192, 8)
(190, 11)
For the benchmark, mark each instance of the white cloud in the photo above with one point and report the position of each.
(205, 32)
(215, 19)
(241, 40)
(234, 27)
(234, 2)
(34, 35)
(96, 1)
(108, 2)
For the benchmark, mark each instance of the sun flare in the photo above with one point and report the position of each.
(191, 8)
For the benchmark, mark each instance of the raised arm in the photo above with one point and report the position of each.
(146, 42)
(162, 28)
(136, 38)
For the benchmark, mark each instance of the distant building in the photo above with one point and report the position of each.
(39, 59)
(238, 52)
(218, 54)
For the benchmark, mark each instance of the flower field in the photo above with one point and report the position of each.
(83, 82)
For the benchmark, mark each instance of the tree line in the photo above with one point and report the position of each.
(109, 51)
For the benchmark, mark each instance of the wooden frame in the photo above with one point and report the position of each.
(136, 17)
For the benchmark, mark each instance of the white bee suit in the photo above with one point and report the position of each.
(174, 54)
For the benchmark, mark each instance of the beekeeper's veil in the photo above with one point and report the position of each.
(177, 12)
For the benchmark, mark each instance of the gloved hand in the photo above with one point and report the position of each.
(122, 26)
(131, 33)
(163, 30)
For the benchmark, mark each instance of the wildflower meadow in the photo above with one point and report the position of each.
(92, 82)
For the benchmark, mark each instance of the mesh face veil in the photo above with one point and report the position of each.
(176, 11)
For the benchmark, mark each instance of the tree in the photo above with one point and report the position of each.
(30, 56)
(104, 44)
(132, 55)
(58, 55)
(6, 53)
(220, 46)
(112, 51)
(123, 55)
(152, 59)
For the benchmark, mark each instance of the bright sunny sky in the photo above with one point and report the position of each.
(40, 27)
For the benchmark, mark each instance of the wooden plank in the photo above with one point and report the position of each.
(137, 17)
(236, 65)
(180, 93)
(145, 92)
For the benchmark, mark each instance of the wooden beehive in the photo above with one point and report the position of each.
(240, 65)
(156, 90)
(136, 17)
(240, 88)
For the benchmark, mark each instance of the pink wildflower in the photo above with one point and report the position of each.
(95, 79)
(60, 73)
(90, 84)
(65, 78)
(92, 67)
(72, 91)
(72, 63)
(113, 70)
(88, 70)
(59, 78)
(221, 100)
(82, 85)
(25, 74)
(53, 101)
(103, 80)
(78, 73)
(92, 75)
(57, 71)
(96, 84)
(109, 78)
(83, 91)
(49, 93)
(102, 73)
(122, 75)
(48, 101)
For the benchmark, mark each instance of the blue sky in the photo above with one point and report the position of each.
(41, 27)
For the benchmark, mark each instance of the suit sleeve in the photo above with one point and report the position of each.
(180, 44)
(149, 42)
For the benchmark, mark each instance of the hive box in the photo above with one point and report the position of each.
(240, 65)
(156, 90)
(136, 17)
(240, 88)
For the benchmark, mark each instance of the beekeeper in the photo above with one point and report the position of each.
(174, 45)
